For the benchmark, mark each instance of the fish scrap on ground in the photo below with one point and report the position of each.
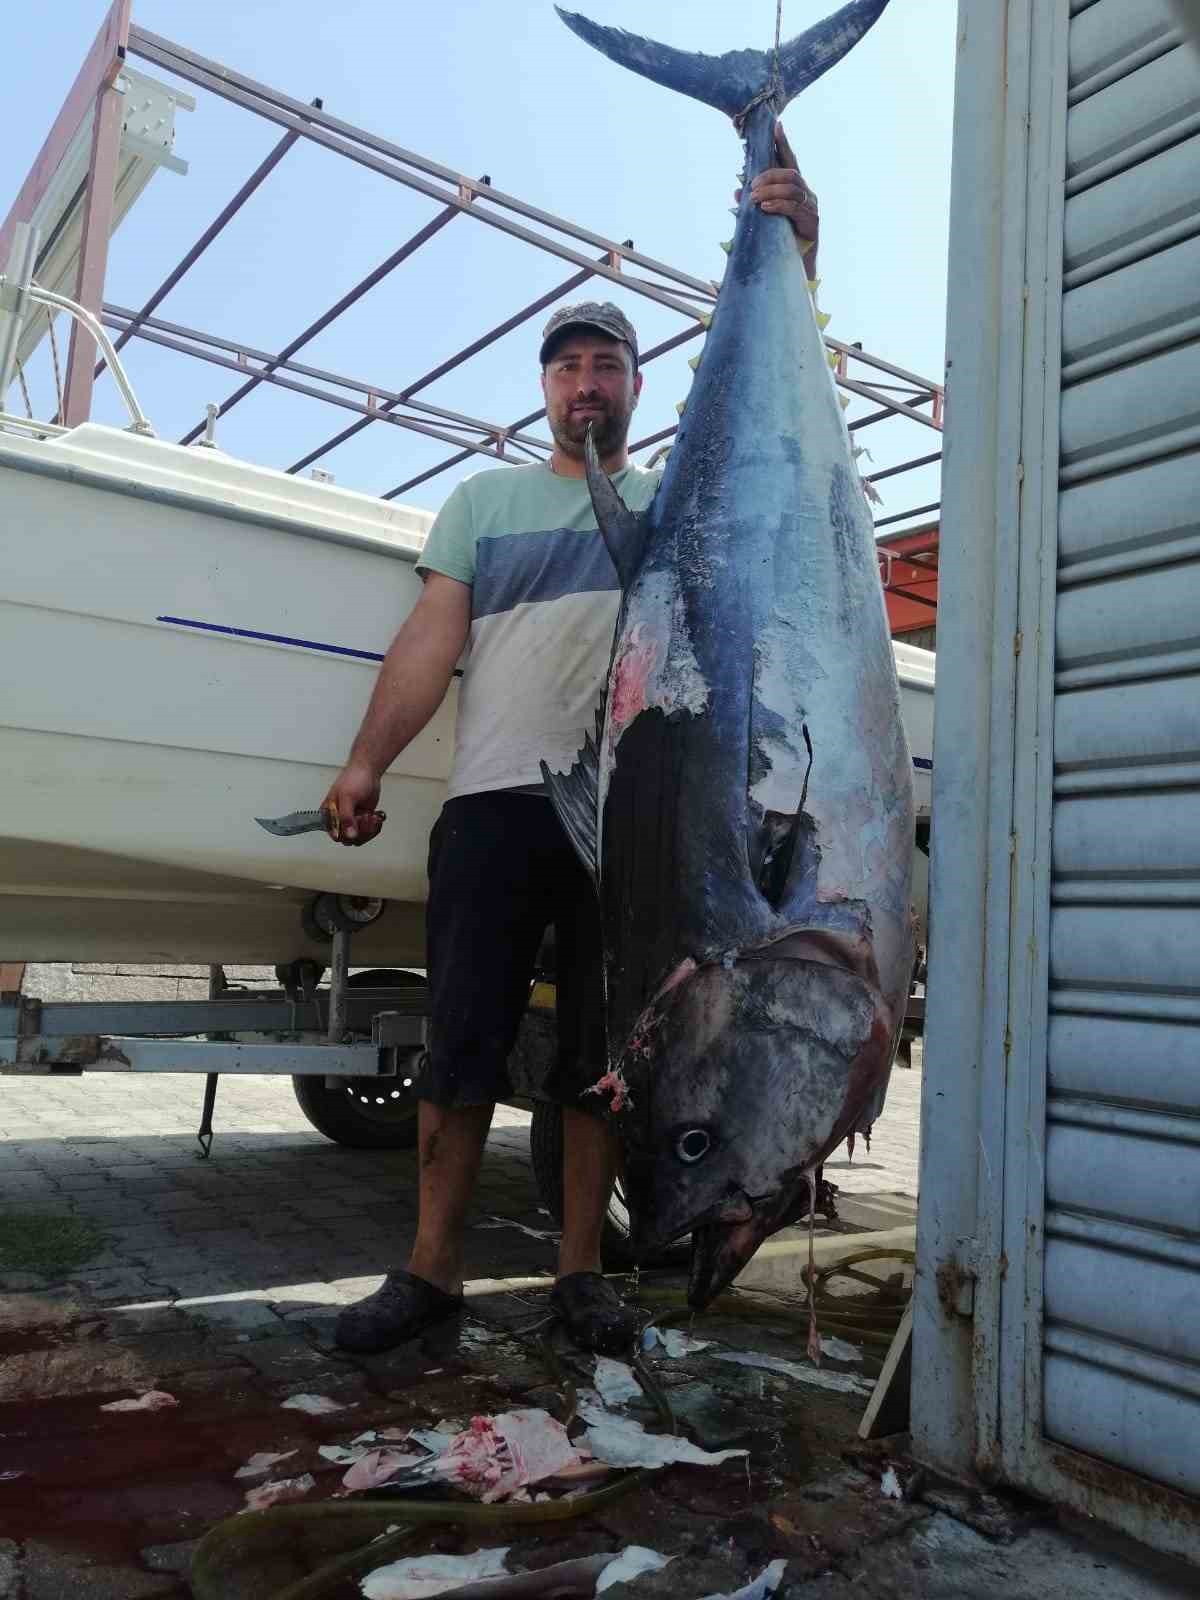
(152, 1400)
(842, 1382)
(615, 1381)
(316, 1405)
(746, 805)
(485, 1574)
(674, 1341)
(262, 1462)
(279, 1492)
(624, 1442)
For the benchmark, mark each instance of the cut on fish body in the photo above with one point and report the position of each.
(746, 803)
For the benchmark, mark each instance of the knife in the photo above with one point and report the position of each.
(307, 822)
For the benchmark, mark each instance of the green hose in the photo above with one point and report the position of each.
(291, 1535)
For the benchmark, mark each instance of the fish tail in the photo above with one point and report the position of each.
(740, 79)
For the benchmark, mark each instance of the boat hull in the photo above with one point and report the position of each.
(188, 642)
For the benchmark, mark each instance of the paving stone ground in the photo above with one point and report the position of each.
(279, 1217)
(219, 1281)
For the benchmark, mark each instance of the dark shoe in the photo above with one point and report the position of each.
(594, 1314)
(402, 1307)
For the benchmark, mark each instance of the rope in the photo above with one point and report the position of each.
(776, 84)
(25, 391)
(58, 388)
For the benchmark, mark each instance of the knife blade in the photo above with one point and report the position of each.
(295, 822)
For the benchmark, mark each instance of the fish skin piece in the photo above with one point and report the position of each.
(746, 804)
(281, 1491)
(152, 1400)
(762, 1587)
(316, 1405)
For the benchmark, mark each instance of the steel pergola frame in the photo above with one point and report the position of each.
(857, 372)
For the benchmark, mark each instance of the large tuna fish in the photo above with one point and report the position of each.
(747, 803)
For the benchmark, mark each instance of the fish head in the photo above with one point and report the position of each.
(744, 1079)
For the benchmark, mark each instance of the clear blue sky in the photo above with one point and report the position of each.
(504, 89)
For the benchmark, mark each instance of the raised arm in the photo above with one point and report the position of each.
(411, 685)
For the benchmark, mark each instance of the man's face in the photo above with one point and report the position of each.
(590, 380)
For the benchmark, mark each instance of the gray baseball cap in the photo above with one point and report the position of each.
(599, 316)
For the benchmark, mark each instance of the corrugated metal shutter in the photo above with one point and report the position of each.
(1121, 1283)
(1056, 1325)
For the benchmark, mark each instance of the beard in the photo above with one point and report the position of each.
(609, 430)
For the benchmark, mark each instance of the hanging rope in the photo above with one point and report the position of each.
(775, 87)
(58, 388)
(25, 391)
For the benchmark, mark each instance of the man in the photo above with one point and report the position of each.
(517, 575)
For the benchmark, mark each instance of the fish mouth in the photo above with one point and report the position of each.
(719, 1252)
(722, 1243)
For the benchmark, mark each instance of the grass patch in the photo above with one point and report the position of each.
(48, 1245)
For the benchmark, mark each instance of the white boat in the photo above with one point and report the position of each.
(187, 642)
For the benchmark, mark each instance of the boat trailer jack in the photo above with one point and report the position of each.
(300, 985)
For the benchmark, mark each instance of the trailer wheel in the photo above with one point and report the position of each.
(365, 1113)
(546, 1154)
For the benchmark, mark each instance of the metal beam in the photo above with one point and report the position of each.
(485, 339)
(914, 511)
(99, 203)
(117, 316)
(905, 466)
(246, 1012)
(232, 364)
(890, 407)
(99, 69)
(275, 105)
(360, 147)
(101, 1053)
(352, 295)
(907, 594)
(535, 416)
(219, 222)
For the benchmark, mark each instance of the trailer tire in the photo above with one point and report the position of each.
(364, 1113)
(546, 1155)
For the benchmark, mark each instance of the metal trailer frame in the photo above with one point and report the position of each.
(341, 1032)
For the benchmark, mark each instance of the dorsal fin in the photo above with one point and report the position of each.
(623, 532)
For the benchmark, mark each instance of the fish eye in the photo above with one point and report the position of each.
(693, 1144)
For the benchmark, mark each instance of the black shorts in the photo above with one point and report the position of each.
(501, 871)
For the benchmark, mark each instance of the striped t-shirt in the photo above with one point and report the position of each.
(544, 598)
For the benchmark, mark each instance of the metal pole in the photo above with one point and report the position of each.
(14, 300)
(98, 203)
(339, 978)
(96, 335)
